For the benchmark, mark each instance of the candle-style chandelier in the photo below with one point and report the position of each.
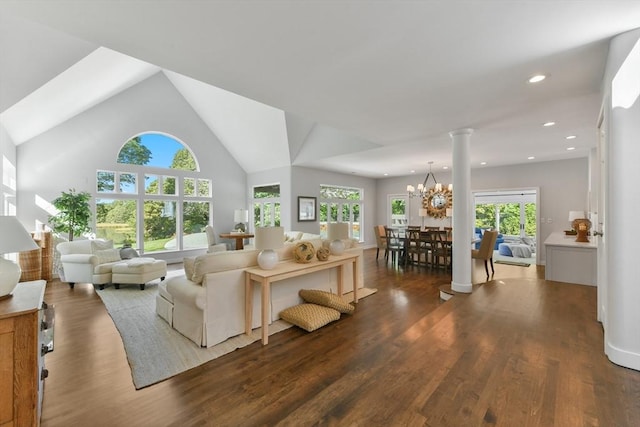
(423, 189)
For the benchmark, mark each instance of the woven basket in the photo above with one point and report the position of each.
(31, 265)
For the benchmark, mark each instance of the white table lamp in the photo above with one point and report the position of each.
(14, 239)
(336, 232)
(267, 240)
(241, 217)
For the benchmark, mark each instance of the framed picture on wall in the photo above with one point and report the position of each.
(306, 208)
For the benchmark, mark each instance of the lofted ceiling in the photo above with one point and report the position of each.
(363, 87)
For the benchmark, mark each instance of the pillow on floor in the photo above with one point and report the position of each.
(309, 316)
(327, 299)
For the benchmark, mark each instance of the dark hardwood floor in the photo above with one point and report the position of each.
(518, 351)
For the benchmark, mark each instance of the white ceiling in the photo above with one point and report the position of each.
(368, 87)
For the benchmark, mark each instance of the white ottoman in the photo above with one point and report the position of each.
(138, 271)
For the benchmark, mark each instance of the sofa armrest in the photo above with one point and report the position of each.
(79, 259)
(187, 292)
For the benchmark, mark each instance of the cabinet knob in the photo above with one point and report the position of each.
(44, 374)
(44, 349)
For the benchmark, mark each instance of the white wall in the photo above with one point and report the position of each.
(563, 187)
(8, 152)
(622, 302)
(68, 155)
(307, 181)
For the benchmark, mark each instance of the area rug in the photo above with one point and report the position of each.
(519, 264)
(155, 351)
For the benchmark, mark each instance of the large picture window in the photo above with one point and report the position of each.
(159, 201)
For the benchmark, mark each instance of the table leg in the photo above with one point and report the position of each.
(248, 304)
(266, 296)
(239, 243)
(356, 265)
(340, 279)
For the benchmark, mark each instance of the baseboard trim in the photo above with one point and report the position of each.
(622, 357)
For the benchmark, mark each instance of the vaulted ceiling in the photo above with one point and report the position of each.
(370, 88)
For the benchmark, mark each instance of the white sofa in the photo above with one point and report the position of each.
(209, 307)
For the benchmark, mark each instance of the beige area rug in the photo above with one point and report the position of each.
(155, 351)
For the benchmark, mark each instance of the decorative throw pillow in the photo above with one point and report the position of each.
(100, 245)
(189, 267)
(107, 255)
(309, 316)
(327, 299)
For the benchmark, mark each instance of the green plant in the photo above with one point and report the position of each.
(74, 213)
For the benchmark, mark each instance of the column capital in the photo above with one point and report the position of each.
(465, 131)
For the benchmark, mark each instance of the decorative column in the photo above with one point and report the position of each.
(462, 215)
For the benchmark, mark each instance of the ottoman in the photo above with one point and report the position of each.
(138, 271)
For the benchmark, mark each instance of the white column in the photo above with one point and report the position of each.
(462, 222)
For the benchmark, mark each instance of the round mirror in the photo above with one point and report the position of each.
(436, 202)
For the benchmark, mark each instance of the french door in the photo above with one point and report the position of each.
(512, 213)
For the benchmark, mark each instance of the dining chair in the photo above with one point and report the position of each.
(381, 240)
(395, 245)
(415, 248)
(485, 252)
(439, 248)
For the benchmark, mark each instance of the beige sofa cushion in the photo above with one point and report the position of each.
(107, 255)
(222, 261)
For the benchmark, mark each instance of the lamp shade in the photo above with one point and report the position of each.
(14, 239)
(422, 212)
(14, 236)
(269, 238)
(337, 230)
(240, 215)
(576, 215)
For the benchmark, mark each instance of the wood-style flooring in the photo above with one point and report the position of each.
(519, 351)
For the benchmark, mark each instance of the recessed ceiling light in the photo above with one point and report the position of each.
(386, 174)
(445, 167)
(530, 158)
(548, 124)
(483, 163)
(570, 137)
(413, 171)
(571, 148)
(537, 78)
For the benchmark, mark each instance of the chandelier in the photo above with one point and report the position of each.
(423, 189)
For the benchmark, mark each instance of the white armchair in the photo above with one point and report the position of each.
(211, 241)
(87, 261)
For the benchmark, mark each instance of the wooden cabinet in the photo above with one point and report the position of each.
(21, 358)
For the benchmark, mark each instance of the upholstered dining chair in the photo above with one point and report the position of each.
(485, 252)
(381, 240)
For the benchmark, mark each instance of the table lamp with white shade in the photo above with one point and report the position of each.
(14, 239)
(241, 217)
(268, 239)
(336, 233)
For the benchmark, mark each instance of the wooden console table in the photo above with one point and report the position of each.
(239, 238)
(286, 270)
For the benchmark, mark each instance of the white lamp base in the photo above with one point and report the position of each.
(267, 259)
(336, 247)
(9, 276)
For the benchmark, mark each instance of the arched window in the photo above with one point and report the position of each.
(158, 199)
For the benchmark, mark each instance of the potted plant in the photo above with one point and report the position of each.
(74, 213)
